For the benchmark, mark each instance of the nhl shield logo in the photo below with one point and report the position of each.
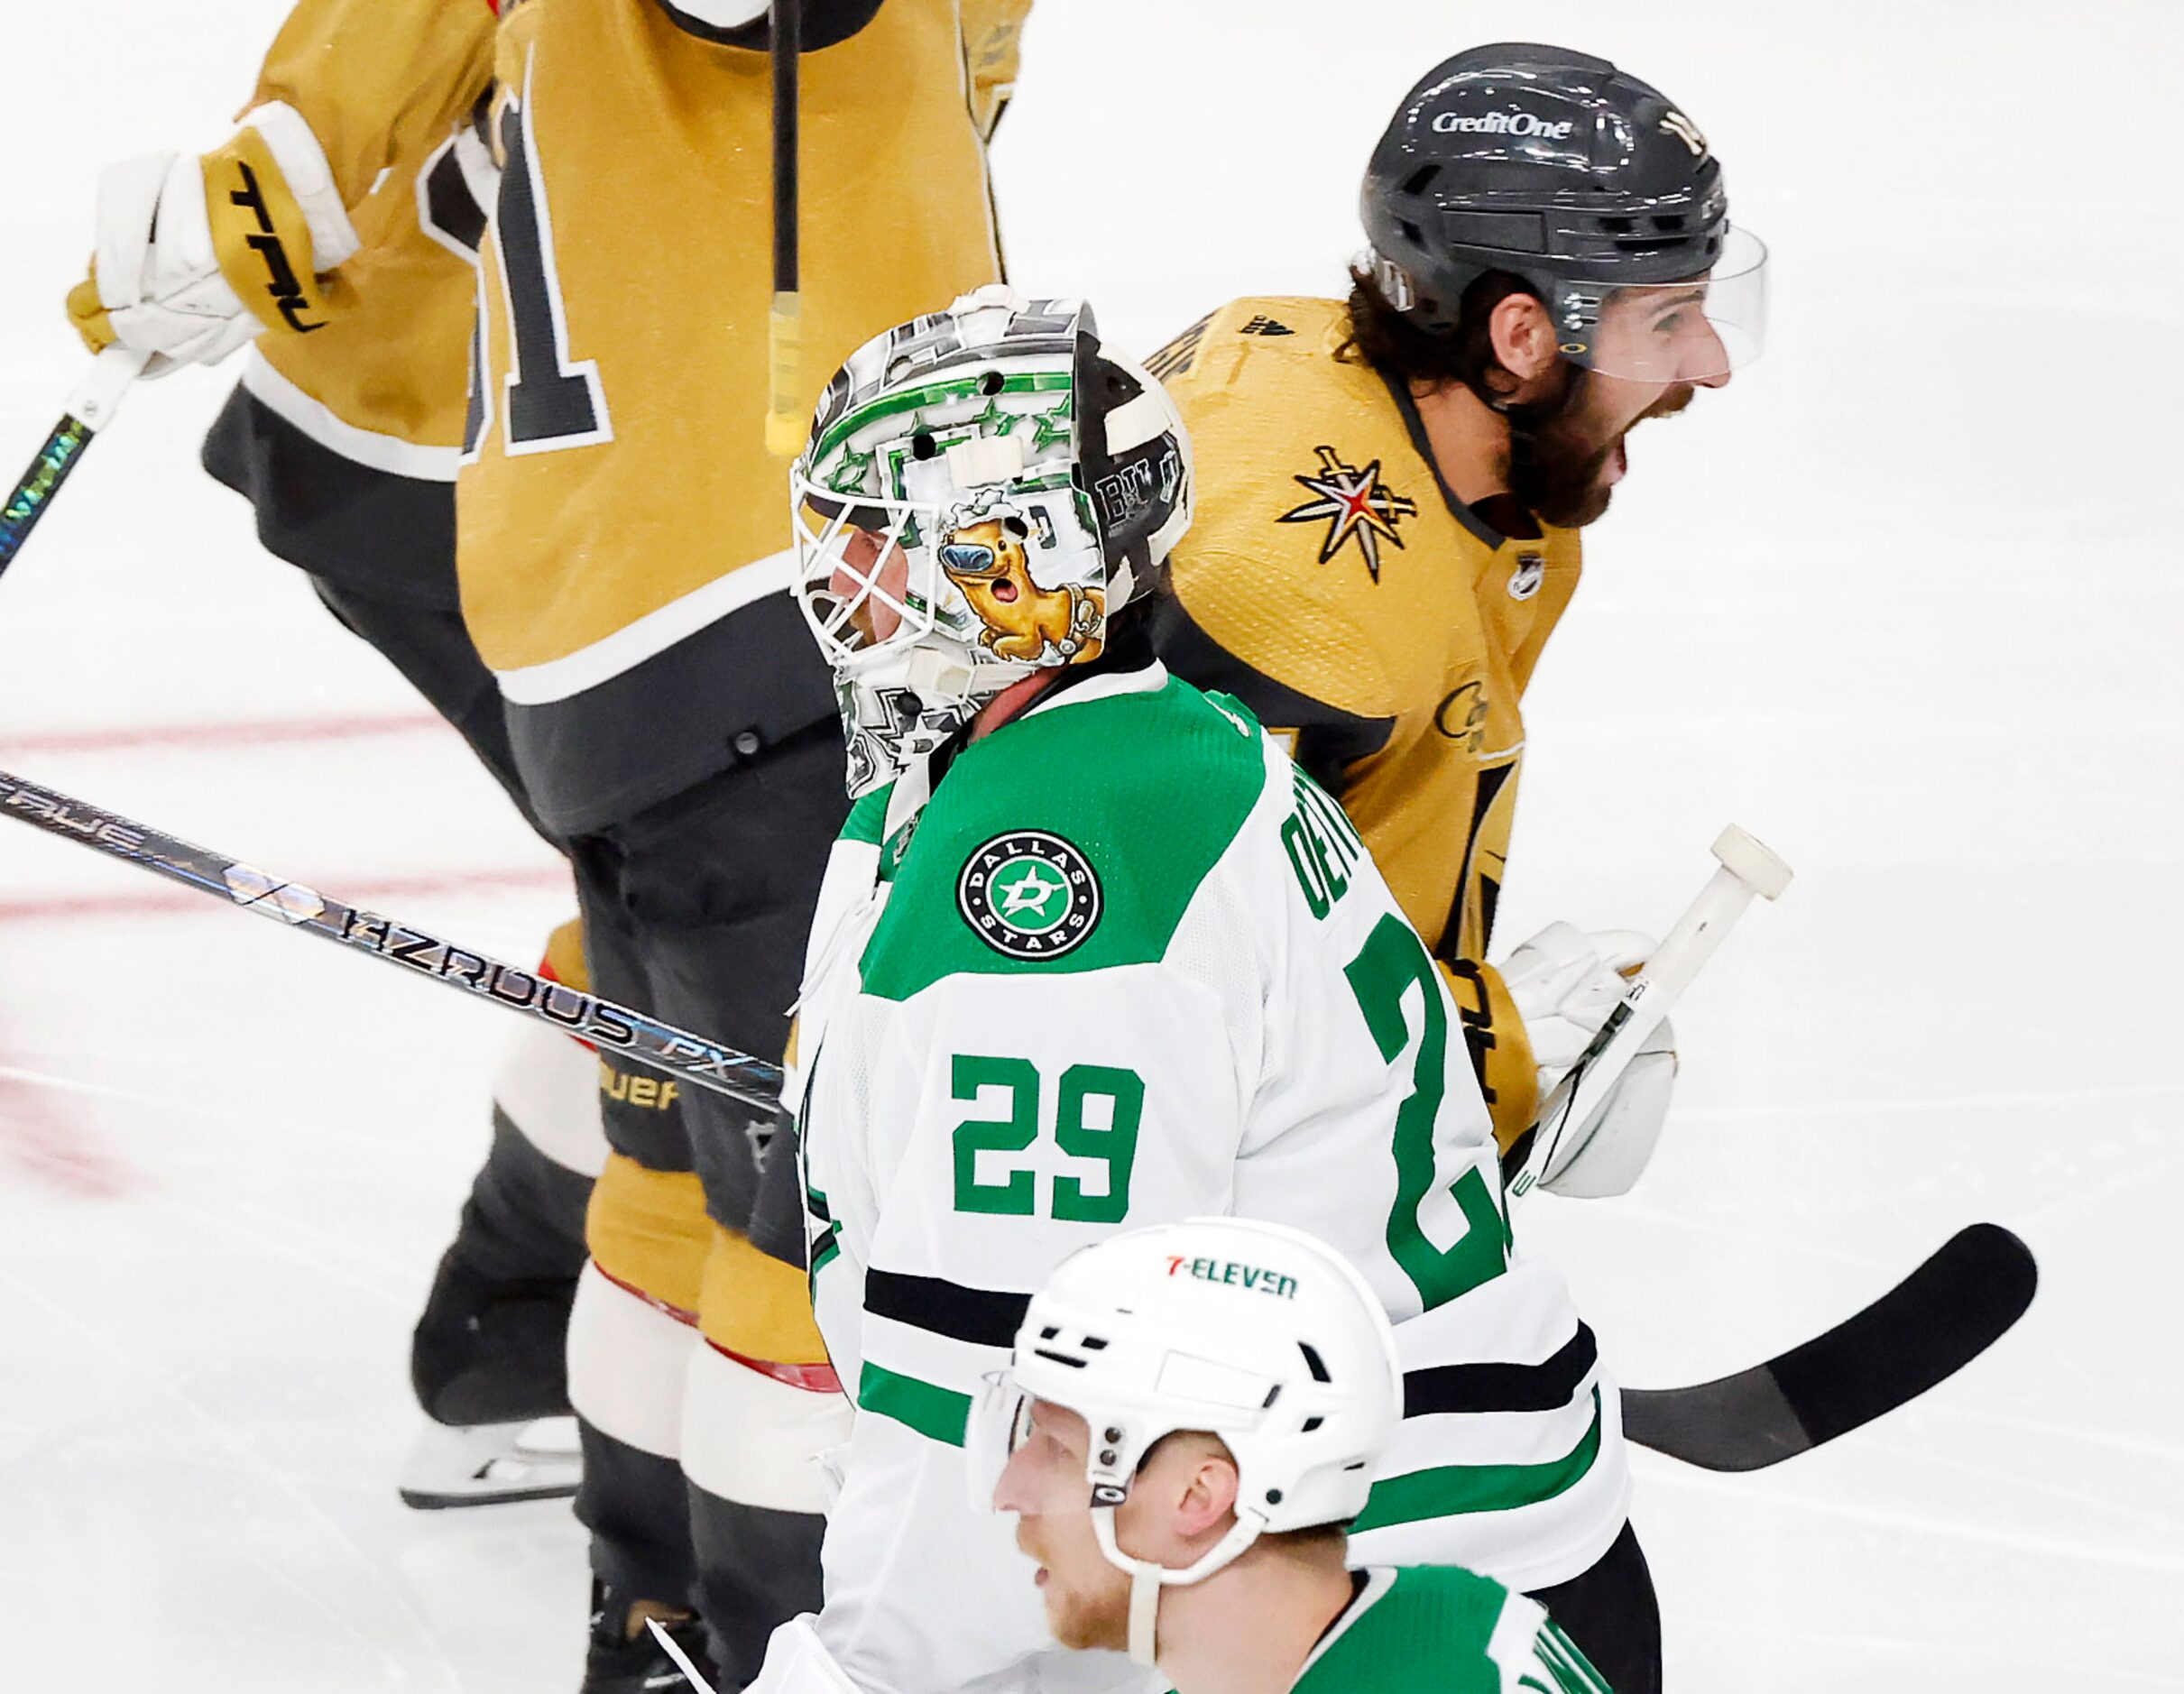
(1530, 572)
(1029, 894)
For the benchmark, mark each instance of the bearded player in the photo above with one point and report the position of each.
(1391, 493)
(625, 644)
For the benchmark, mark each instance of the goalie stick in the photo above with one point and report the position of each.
(1939, 1318)
(90, 410)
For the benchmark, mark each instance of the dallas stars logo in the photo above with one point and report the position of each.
(1029, 895)
(1355, 505)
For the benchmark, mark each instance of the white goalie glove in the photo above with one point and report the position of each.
(196, 256)
(1564, 981)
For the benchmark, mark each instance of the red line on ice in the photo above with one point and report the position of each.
(240, 732)
(36, 1132)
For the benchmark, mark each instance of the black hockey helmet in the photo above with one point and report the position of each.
(1576, 177)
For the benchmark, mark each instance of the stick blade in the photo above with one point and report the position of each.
(1921, 1332)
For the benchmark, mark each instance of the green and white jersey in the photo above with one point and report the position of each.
(1124, 964)
(1436, 1629)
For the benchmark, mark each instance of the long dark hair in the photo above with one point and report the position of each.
(1410, 350)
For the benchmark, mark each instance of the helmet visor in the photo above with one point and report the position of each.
(1696, 330)
(999, 1419)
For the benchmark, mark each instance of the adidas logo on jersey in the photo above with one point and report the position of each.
(1504, 123)
(1263, 325)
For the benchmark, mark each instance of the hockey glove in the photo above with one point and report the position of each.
(1564, 982)
(196, 255)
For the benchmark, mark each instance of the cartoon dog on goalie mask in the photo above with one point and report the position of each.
(983, 555)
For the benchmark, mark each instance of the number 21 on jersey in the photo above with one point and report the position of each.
(548, 401)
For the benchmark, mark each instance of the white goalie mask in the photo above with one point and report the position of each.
(983, 489)
(1255, 1332)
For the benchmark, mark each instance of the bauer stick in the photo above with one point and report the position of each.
(1936, 1321)
(1747, 866)
(90, 408)
(785, 429)
(600, 1022)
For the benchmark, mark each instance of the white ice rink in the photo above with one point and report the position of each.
(1905, 600)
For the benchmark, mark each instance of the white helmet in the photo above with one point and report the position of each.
(983, 489)
(1256, 1332)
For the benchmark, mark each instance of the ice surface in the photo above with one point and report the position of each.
(1904, 601)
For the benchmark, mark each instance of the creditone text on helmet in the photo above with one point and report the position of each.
(1504, 123)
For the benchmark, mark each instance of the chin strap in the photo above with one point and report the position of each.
(1147, 1579)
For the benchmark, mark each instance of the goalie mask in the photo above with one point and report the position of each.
(1252, 1331)
(983, 490)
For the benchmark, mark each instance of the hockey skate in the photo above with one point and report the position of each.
(492, 1464)
(618, 1662)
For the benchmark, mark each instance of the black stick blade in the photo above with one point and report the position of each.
(1923, 1330)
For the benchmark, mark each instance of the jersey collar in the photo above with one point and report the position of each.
(1150, 677)
(1414, 425)
(1378, 1579)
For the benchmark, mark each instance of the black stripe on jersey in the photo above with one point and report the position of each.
(738, 691)
(1329, 740)
(1491, 781)
(384, 535)
(824, 24)
(1547, 1386)
(985, 1316)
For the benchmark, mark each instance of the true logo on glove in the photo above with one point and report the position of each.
(284, 286)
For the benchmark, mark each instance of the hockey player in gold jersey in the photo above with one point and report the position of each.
(621, 537)
(1391, 495)
(1394, 485)
(344, 434)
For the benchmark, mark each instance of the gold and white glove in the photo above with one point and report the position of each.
(196, 256)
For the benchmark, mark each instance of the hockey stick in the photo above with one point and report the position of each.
(680, 1659)
(1923, 1330)
(1747, 866)
(785, 429)
(90, 408)
(1944, 1314)
(600, 1022)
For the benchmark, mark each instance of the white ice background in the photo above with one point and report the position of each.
(1903, 599)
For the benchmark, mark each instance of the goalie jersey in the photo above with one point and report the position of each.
(1123, 964)
(620, 526)
(1384, 628)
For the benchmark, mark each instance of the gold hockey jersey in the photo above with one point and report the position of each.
(346, 437)
(1331, 581)
(620, 527)
(618, 462)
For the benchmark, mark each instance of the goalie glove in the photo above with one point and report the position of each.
(1564, 982)
(196, 255)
